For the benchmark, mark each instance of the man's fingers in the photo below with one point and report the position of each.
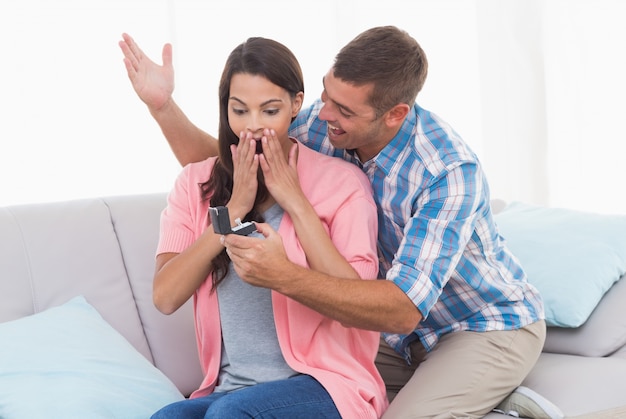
(130, 69)
(167, 55)
(130, 59)
(233, 241)
(264, 228)
(134, 48)
(240, 243)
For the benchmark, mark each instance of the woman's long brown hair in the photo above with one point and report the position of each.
(256, 56)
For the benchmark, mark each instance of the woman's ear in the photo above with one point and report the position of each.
(296, 104)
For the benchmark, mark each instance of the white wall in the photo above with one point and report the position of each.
(72, 127)
(505, 73)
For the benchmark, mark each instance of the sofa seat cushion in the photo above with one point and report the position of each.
(69, 362)
(601, 335)
(579, 385)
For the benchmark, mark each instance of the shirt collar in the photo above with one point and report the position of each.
(390, 158)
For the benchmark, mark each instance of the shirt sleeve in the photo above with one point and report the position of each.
(437, 234)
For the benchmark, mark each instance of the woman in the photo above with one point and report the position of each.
(263, 354)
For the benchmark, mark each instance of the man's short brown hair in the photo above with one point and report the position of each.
(390, 59)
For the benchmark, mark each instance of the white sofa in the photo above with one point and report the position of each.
(103, 249)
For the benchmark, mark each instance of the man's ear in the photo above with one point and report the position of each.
(396, 115)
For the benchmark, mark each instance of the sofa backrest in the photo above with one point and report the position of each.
(103, 249)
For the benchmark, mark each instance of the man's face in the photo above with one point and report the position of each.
(352, 122)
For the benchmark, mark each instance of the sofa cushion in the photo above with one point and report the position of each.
(51, 252)
(580, 385)
(572, 257)
(601, 335)
(68, 361)
(172, 338)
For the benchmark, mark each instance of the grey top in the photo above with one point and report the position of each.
(250, 350)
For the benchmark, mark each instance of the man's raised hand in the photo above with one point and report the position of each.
(153, 83)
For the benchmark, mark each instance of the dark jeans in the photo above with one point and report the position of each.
(299, 397)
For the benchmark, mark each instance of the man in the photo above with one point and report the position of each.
(462, 325)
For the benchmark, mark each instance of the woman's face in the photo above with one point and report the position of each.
(256, 104)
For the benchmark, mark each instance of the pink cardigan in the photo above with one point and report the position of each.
(340, 358)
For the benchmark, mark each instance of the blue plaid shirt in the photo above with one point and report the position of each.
(437, 237)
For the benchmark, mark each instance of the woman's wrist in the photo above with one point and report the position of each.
(236, 211)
